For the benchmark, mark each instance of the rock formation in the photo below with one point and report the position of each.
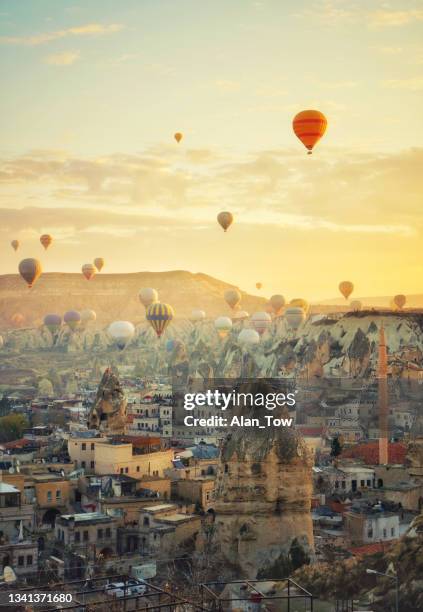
(263, 497)
(108, 413)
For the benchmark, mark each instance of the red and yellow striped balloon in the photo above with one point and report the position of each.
(309, 126)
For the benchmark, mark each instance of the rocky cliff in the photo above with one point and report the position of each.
(108, 413)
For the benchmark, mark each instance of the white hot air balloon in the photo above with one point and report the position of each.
(197, 315)
(240, 315)
(223, 325)
(248, 337)
(148, 296)
(88, 316)
(260, 321)
(121, 332)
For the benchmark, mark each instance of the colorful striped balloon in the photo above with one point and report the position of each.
(159, 316)
(309, 126)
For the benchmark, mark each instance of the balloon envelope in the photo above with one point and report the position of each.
(198, 315)
(17, 319)
(53, 322)
(30, 270)
(232, 297)
(277, 302)
(72, 318)
(147, 296)
(346, 288)
(178, 136)
(89, 271)
(300, 303)
(15, 245)
(88, 316)
(248, 337)
(159, 316)
(260, 321)
(309, 126)
(121, 332)
(223, 325)
(46, 240)
(99, 263)
(295, 317)
(240, 315)
(400, 301)
(225, 219)
(259, 285)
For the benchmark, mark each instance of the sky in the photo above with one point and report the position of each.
(92, 93)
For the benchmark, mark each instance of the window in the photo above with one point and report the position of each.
(83, 464)
(58, 495)
(77, 536)
(85, 536)
(138, 468)
(384, 532)
(343, 484)
(336, 484)
(21, 561)
(99, 534)
(49, 496)
(369, 483)
(92, 445)
(126, 470)
(121, 470)
(370, 533)
(362, 483)
(83, 446)
(393, 531)
(108, 532)
(92, 464)
(29, 560)
(146, 521)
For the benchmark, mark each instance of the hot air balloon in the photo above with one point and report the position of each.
(88, 316)
(400, 301)
(159, 316)
(309, 126)
(346, 288)
(259, 285)
(197, 315)
(240, 315)
(72, 318)
(178, 136)
(294, 316)
(1, 342)
(232, 297)
(225, 219)
(53, 322)
(121, 332)
(46, 240)
(223, 325)
(15, 245)
(260, 321)
(99, 263)
(17, 319)
(277, 302)
(356, 305)
(148, 296)
(300, 303)
(30, 270)
(89, 271)
(248, 337)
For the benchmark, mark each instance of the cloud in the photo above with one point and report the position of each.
(63, 59)
(385, 18)
(90, 29)
(412, 84)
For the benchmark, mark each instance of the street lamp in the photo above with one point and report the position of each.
(392, 577)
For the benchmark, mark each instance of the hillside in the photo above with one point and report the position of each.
(114, 296)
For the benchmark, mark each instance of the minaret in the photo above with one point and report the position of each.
(382, 374)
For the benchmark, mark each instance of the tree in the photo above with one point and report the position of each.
(335, 447)
(12, 427)
(45, 388)
(5, 406)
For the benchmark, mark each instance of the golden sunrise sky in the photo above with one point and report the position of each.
(92, 93)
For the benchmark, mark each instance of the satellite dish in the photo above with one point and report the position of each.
(8, 574)
(11, 470)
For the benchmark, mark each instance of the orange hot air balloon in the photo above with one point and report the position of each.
(17, 319)
(89, 271)
(30, 270)
(309, 126)
(225, 219)
(15, 244)
(400, 301)
(346, 288)
(46, 240)
(259, 285)
(99, 263)
(178, 136)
